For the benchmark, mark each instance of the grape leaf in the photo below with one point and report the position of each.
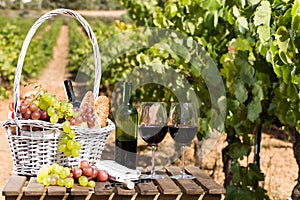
(262, 14)
(253, 2)
(243, 22)
(235, 11)
(254, 109)
(264, 32)
(172, 10)
(240, 91)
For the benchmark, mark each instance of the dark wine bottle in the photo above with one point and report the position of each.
(126, 130)
(70, 93)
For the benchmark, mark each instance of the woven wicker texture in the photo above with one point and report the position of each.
(34, 143)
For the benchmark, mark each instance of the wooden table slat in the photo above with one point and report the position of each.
(78, 190)
(34, 188)
(121, 191)
(147, 188)
(102, 188)
(167, 186)
(14, 186)
(56, 191)
(188, 186)
(205, 181)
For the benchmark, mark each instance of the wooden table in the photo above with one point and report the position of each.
(203, 187)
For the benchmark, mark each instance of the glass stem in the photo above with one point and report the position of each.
(153, 147)
(183, 161)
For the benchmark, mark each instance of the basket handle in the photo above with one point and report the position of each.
(28, 38)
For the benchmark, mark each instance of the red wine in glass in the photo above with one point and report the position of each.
(183, 134)
(153, 134)
(153, 128)
(183, 126)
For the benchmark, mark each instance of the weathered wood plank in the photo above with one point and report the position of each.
(121, 191)
(56, 191)
(147, 188)
(103, 188)
(34, 188)
(78, 190)
(14, 186)
(205, 181)
(166, 186)
(187, 186)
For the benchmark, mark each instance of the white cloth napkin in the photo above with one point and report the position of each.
(118, 172)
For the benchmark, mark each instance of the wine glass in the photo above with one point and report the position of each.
(183, 126)
(153, 128)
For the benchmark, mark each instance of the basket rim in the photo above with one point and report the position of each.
(29, 36)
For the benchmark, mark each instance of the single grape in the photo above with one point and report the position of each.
(70, 112)
(51, 111)
(69, 182)
(92, 184)
(53, 180)
(77, 145)
(27, 114)
(83, 180)
(64, 173)
(54, 119)
(61, 182)
(52, 101)
(90, 110)
(46, 180)
(59, 114)
(35, 115)
(68, 153)
(70, 144)
(46, 97)
(62, 148)
(79, 120)
(66, 127)
(43, 105)
(23, 108)
(72, 121)
(84, 118)
(75, 153)
(56, 104)
(65, 139)
(63, 106)
(43, 115)
(42, 173)
(72, 134)
(33, 107)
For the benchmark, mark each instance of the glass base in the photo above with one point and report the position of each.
(183, 176)
(152, 176)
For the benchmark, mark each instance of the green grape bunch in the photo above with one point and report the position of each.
(47, 107)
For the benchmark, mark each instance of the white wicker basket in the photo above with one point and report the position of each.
(34, 143)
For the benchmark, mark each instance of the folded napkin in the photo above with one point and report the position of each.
(118, 172)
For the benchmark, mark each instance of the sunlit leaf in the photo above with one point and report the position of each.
(243, 22)
(263, 14)
(253, 2)
(264, 32)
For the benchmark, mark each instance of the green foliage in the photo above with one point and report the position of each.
(255, 45)
(39, 52)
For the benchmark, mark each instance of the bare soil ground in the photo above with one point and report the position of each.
(277, 160)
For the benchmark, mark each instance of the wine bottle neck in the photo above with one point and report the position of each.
(69, 90)
(127, 92)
